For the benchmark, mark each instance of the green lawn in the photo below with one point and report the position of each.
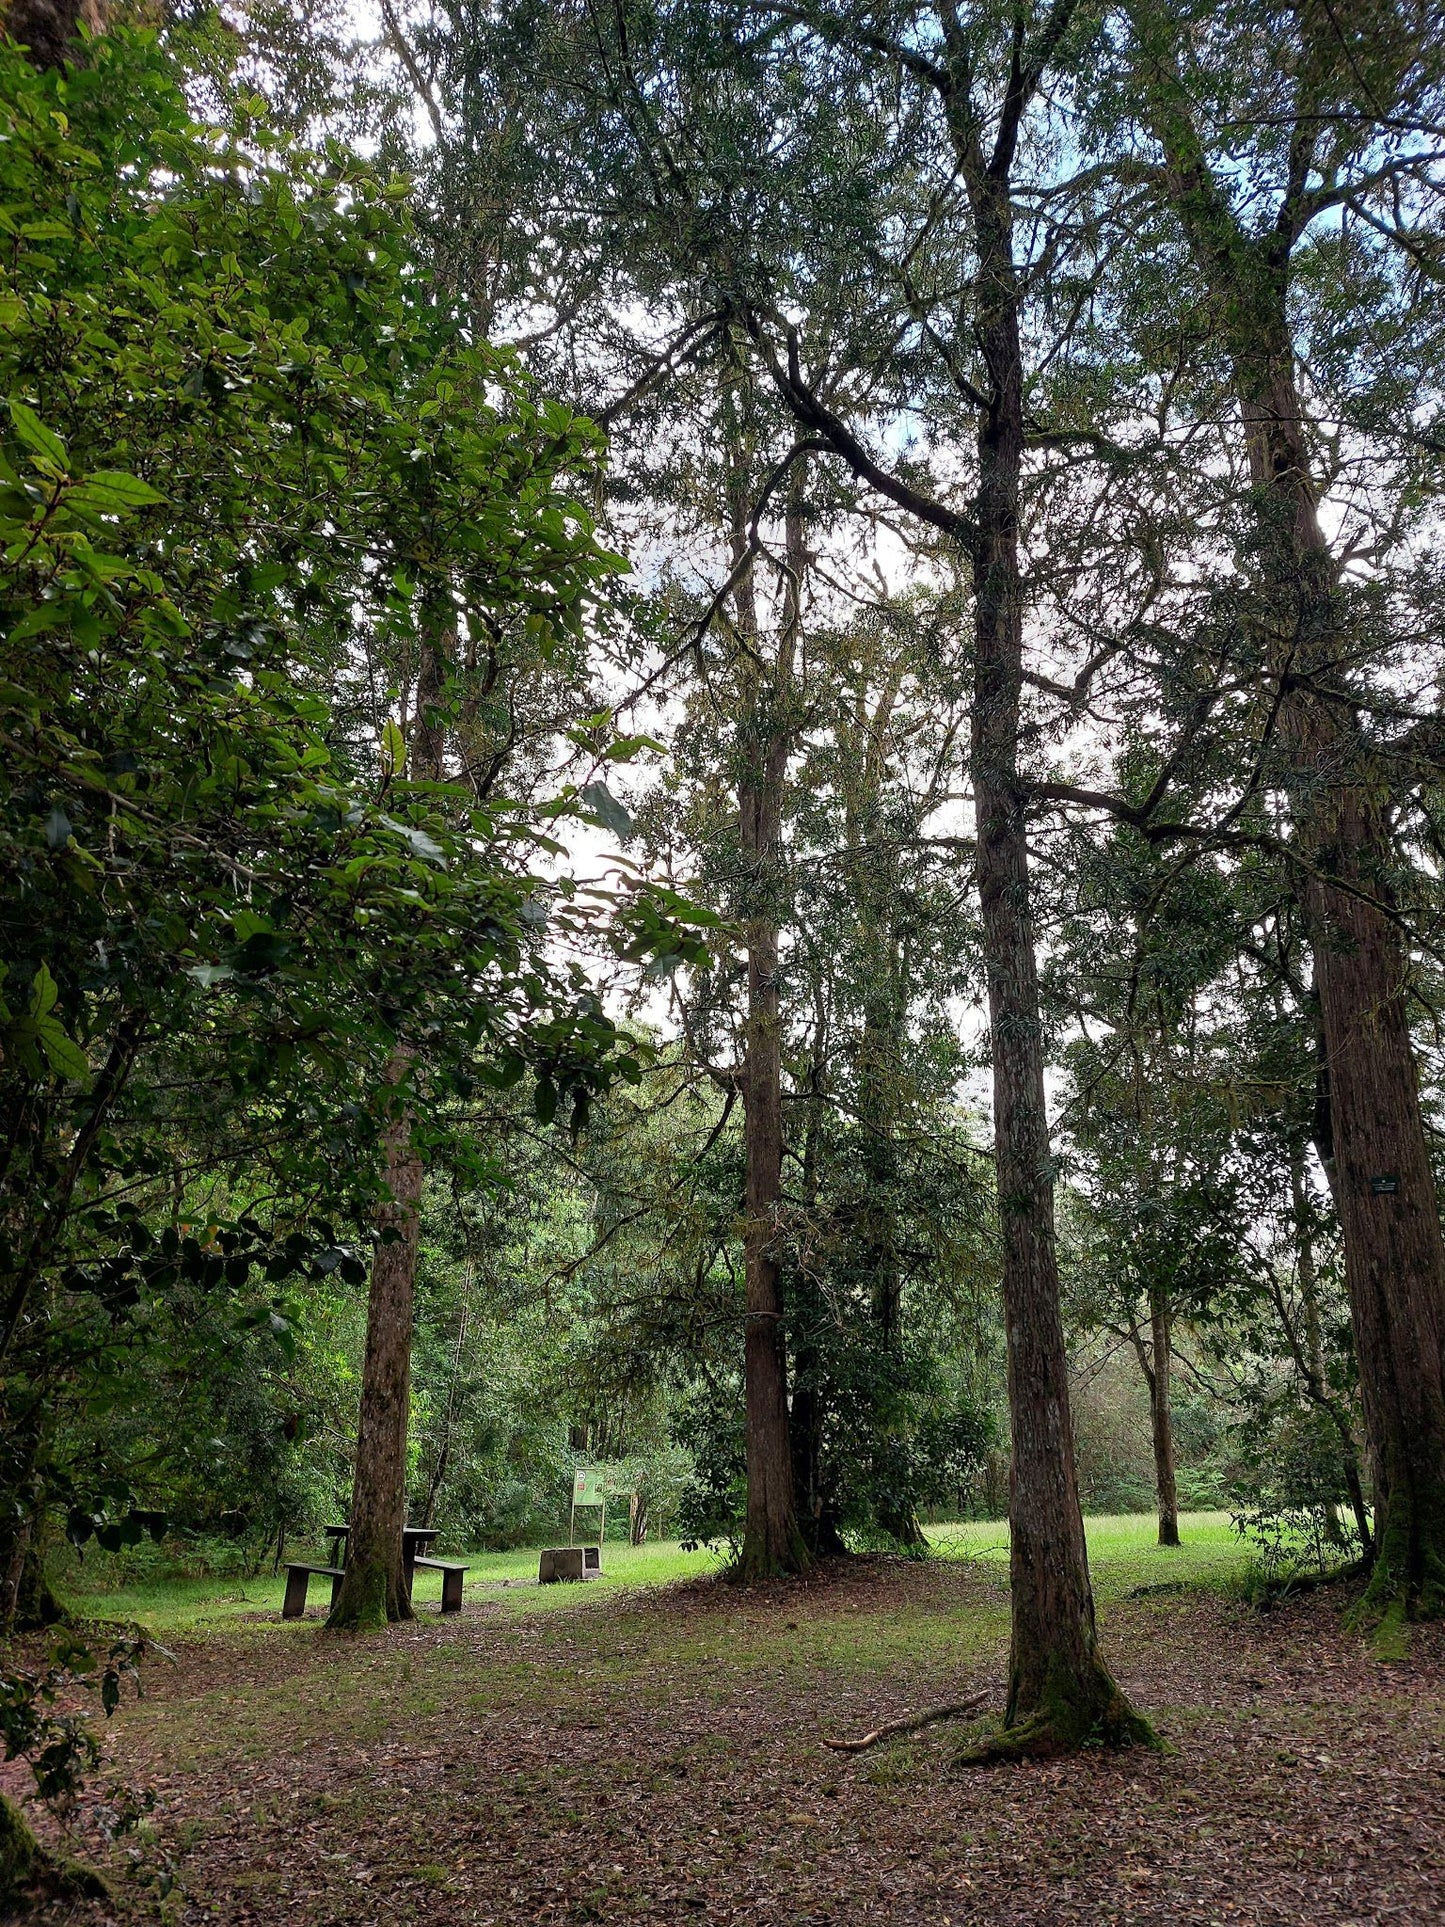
(1122, 1549)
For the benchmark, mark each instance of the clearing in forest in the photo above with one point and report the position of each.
(636, 1751)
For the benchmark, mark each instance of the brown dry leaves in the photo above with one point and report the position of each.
(656, 1758)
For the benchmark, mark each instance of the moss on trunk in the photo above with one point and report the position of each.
(367, 1601)
(1407, 1579)
(20, 1852)
(901, 1522)
(772, 1557)
(1074, 1712)
(31, 1874)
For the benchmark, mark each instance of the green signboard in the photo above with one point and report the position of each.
(587, 1486)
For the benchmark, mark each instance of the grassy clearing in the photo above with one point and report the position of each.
(639, 1750)
(1122, 1550)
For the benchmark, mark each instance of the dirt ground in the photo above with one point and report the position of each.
(656, 1757)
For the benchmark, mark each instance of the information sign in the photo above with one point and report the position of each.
(587, 1486)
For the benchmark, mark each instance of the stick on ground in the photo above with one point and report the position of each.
(911, 1722)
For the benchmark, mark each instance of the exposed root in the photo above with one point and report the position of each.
(911, 1722)
(1267, 1593)
(1042, 1738)
(1074, 1711)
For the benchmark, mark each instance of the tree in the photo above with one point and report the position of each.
(673, 126)
(229, 898)
(1060, 1691)
(1324, 143)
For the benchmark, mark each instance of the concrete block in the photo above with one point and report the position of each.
(559, 1563)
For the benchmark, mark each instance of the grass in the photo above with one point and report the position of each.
(1123, 1553)
(1124, 1550)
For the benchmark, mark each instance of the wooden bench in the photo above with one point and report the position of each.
(298, 1579)
(451, 1581)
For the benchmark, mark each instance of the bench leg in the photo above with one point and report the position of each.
(336, 1589)
(294, 1605)
(452, 1592)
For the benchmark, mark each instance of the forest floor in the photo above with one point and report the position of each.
(624, 1753)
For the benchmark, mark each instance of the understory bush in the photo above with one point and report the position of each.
(1289, 1498)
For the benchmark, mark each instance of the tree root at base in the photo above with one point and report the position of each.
(1044, 1737)
(910, 1723)
(31, 1874)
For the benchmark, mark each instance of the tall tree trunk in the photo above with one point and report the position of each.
(1383, 1183)
(772, 1541)
(1060, 1691)
(817, 1513)
(878, 1070)
(1161, 1416)
(375, 1589)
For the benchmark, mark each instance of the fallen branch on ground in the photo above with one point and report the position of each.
(911, 1722)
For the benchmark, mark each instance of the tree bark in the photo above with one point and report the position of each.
(1382, 1179)
(1161, 1417)
(375, 1589)
(1314, 1365)
(48, 28)
(1384, 1182)
(880, 1056)
(772, 1544)
(1060, 1691)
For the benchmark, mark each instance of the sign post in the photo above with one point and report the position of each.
(589, 1488)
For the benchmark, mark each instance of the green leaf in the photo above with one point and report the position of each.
(113, 493)
(626, 747)
(607, 810)
(393, 749)
(63, 1054)
(33, 432)
(43, 993)
(424, 845)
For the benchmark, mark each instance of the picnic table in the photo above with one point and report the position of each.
(415, 1548)
(415, 1540)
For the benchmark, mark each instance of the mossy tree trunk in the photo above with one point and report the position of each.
(31, 1875)
(20, 1855)
(1382, 1178)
